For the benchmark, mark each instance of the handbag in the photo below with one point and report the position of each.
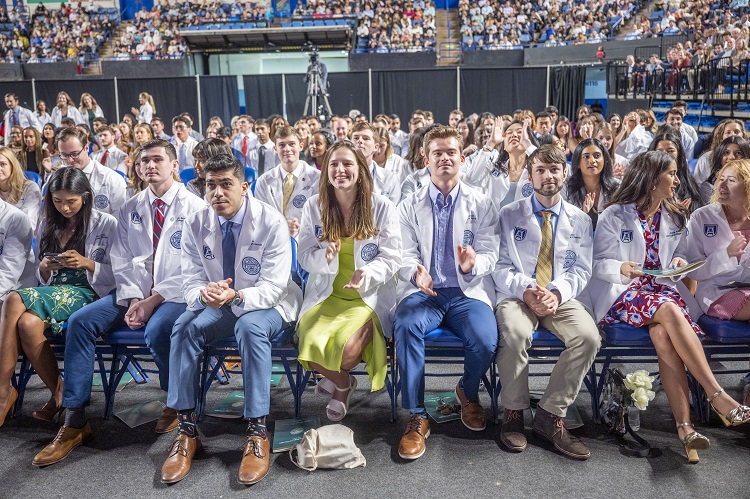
(614, 415)
(330, 447)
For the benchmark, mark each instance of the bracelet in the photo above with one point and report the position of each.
(200, 299)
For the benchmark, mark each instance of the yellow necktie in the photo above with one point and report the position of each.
(288, 189)
(544, 262)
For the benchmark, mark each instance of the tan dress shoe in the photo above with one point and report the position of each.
(551, 428)
(180, 459)
(255, 460)
(412, 444)
(472, 413)
(167, 421)
(66, 440)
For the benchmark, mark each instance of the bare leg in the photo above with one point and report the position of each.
(38, 350)
(689, 349)
(673, 377)
(13, 309)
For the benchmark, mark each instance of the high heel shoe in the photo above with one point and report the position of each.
(693, 441)
(737, 416)
(4, 411)
(49, 412)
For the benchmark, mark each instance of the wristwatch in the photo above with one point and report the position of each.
(237, 299)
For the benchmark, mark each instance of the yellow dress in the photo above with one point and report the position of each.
(324, 330)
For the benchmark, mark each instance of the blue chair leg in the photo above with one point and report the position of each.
(140, 376)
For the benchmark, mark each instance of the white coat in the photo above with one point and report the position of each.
(415, 181)
(270, 189)
(115, 159)
(386, 183)
(110, 188)
(397, 166)
(635, 143)
(263, 260)
(379, 256)
(16, 255)
(145, 113)
(619, 238)
(132, 252)
(26, 118)
(73, 113)
(521, 239)
(43, 119)
(474, 223)
(707, 239)
(482, 174)
(31, 202)
(97, 247)
(98, 113)
(190, 144)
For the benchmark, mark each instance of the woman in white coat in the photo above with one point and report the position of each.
(641, 229)
(16, 189)
(66, 108)
(350, 242)
(74, 268)
(147, 109)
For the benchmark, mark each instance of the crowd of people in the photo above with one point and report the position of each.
(484, 225)
(398, 26)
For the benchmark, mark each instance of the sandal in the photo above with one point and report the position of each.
(693, 441)
(324, 388)
(336, 410)
(737, 416)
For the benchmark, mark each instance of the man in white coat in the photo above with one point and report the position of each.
(450, 247)
(385, 183)
(288, 186)
(109, 187)
(109, 155)
(146, 263)
(17, 115)
(16, 256)
(544, 265)
(183, 142)
(236, 263)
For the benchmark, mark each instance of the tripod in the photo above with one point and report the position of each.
(316, 94)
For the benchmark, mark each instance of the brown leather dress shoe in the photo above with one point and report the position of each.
(255, 460)
(66, 440)
(511, 433)
(412, 444)
(551, 428)
(472, 413)
(167, 421)
(180, 459)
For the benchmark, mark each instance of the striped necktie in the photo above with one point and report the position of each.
(158, 221)
(288, 190)
(544, 262)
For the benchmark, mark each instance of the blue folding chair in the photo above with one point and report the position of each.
(250, 175)
(187, 175)
(34, 177)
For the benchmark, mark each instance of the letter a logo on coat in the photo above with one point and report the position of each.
(626, 236)
(710, 229)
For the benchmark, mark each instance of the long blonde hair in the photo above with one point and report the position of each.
(17, 180)
(742, 171)
(362, 222)
(94, 105)
(149, 99)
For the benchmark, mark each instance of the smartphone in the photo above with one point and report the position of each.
(52, 256)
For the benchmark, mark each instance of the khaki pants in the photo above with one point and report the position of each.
(573, 325)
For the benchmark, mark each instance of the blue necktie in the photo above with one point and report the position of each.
(228, 250)
(183, 156)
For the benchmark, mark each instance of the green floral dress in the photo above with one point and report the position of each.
(54, 304)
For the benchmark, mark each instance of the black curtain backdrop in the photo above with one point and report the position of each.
(219, 97)
(296, 93)
(22, 89)
(401, 92)
(172, 96)
(502, 91)
(102, 90)
(263, 95)
(567, 89)
(349, 91)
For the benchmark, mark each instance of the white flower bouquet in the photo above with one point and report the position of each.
(638, 389)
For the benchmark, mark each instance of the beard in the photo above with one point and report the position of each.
(549, 190)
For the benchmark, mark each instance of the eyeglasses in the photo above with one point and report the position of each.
(71, 155)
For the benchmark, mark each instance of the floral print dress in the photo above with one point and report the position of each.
(638, 304)
(68, 291)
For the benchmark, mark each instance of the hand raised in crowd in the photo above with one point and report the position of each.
(525, 140)
(618, 171)
(630, 270)
(587, 130)
(217, 294)
(466, 258)
(631, 121)
(357, 280)
(588, 202)
(293, 226)
(135, 111)
(496, 136)
(74, 260)
(423, 279)
(686, 203)
(737, 247)
(332, 250)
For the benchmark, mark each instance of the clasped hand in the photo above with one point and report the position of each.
(218, 294)
(541, 301)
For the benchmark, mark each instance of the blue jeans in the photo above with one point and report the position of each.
(469, 319)
(103, 316)
(196, 329)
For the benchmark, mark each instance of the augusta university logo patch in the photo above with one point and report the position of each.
(369, 251)
(519, 234)
(710, 229)
(626, 236)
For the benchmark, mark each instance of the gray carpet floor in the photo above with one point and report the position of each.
(124, 462)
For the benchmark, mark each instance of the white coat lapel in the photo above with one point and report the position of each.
(247, 233)
(423, 214)
(635, 244)
(212, 244)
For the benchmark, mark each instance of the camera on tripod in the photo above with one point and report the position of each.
(316, 78)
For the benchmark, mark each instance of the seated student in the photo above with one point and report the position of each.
(688, 192)
(109, 155)
(183, 142)
(16, 189)
(544, 266)
(236, 261)
(109, 187)
(351, 242)
(503, 175)
(74, 268)
(385, 183)
(288, 186)
(592, 181)
(729, 149)
(450, 246)
(633, 138)
(725, 129)
(145, 254)
(418, 174)
(643, 228)
(204, 150)
(16, 256)
(263, 156)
